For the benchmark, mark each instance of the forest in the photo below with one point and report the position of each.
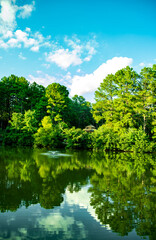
(124, 113)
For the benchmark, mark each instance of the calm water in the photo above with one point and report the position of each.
(76, 195)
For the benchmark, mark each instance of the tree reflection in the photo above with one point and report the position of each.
(123, 185)
(122, 193)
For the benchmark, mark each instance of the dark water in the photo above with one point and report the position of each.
(77, 195)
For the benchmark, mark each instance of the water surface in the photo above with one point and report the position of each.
(77, 195)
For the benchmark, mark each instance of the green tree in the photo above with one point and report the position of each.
(58, 100)
(115, 99)
(104, 109)
(80, 112)
(146, 102)
(15, 96)
(36, 93)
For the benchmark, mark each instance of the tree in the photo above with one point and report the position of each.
(58, 100)
(36, 93)
(104, 109)
(15, 96)
(127, 80)
(115, 99)
(146, 104)
(80, 112)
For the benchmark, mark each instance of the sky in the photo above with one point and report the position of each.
(76, 43)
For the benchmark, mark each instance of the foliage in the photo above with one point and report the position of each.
(80, 112)
(77, 138)
(105, 138)
(57, 96)
(135, 140)
(124, 110)
(21, 129)
(49, 135)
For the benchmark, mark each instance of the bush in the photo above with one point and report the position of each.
(77, 138)
(18, 137)
(135, 140)
(105, 138)
(50, 135)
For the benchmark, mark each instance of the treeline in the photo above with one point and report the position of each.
(26, 109)
(124, 113)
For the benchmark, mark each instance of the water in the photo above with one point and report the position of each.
(77, 195)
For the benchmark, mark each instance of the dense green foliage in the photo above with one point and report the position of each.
(33, 115)
(124, 112)
(125, 106)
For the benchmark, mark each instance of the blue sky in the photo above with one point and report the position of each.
(75, 42)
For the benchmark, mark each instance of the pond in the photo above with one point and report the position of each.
(77, 195)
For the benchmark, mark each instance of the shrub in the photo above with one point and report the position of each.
(77, 138)
(105, 138)
(49, 135)
(135, 140)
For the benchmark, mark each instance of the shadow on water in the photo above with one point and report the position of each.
(118, 190)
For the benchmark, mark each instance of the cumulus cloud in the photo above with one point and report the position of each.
(12, 38)
(42, 79)
(26, 39)
(75, 54)
(13, 42)
(26, 10)
(90, 82)
(64, 58)
(7, 16)
(35, 48)
(8, 13)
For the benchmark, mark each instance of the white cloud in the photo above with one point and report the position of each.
(64, 58)
(3, 44)
(28, 29)
(26, 39)
(12, 38)
(8, 13)
(13, 42)
(146, 64)
(87, 59)
(21, 56)
(142, 64)
(42, 79)
(8, 34)
(7, 16)
(21, 35)
(26, 10)
(75, 54)
(90, 82)
(35, 48)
